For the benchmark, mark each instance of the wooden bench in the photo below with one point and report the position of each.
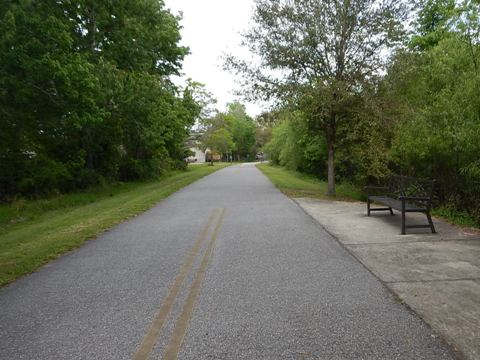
(404, 194)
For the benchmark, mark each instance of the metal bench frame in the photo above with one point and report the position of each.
(405, 194)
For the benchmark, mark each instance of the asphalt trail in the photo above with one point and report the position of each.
(227, 268)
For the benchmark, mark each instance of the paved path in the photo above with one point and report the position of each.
(259, 280)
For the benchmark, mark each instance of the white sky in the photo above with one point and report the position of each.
(211, 28)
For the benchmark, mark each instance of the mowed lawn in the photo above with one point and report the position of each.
(34, 232)
(296, 184)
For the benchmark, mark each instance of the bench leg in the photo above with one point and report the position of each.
(368, 207)
(403, 217)
(429, 217)
(391, 211)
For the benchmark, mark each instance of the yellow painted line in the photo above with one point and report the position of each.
(173, 348)
(150, 338)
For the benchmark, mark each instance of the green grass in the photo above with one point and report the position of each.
(35, 232)
(296, 184)
(457, 217)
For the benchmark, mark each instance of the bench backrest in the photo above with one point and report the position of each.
(409, 186)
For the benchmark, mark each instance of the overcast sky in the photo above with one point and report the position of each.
(211, 28)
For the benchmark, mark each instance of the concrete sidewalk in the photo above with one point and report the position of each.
(437, 275)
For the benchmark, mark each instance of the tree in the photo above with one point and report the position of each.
(317, 54)
(242, 128)
(45, 98)
(435, 89)
(85, 94)
(294, 147)
(204, 99)
(239, 126)
(220, 141)
(432, 23)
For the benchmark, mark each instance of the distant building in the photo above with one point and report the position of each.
(199, 155)
(194, 144)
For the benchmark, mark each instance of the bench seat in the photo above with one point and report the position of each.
(395, 204)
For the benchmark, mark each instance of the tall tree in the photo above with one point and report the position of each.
(317, 54)
(219, 141)
(85, 93)
(239, 126)
(242, 129)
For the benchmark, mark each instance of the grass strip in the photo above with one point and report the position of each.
(295, 184)
(456, 216)
(38, 231)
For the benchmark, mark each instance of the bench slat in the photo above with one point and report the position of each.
(394, 203)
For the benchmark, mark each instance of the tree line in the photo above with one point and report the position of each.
(233, 134)
(86, 95)
(364, 89)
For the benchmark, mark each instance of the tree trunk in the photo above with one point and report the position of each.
(331, 132)
(331, 167)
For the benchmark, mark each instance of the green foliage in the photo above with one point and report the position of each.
(220, 141)
(362, 154)
(439, 137)
(233, 132)
(85, 94)
(457, 216)
(294, 147)
(242, 129)
(433, 22)
(422, 118)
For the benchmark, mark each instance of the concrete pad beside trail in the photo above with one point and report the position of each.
(350, 223)
(437, 275)
(449, 307)
(421, 261)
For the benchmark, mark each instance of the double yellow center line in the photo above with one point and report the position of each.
(181, 326)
